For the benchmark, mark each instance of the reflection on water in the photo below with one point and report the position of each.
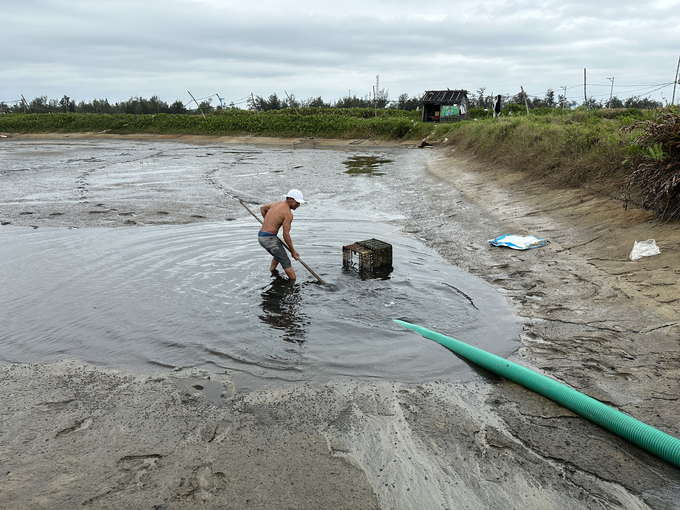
(365, 164)
(281, 307)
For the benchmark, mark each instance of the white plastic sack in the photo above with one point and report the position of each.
(518, 242)
(644, 249)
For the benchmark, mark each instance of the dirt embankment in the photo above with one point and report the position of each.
(307, 142)
(594, 319)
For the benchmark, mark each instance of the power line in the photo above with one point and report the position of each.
(640, 85)
(643, 76)
(643, 88)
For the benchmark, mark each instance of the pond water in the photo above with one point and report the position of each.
(199, 295)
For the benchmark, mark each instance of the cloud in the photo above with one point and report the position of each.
(116, 50)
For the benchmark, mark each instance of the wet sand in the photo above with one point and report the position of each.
(74, 435)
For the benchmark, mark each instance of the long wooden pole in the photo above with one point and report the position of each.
(674, 83)
(199, 106)
(585, 96)
(286, 246)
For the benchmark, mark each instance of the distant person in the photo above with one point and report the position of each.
(497, 106)
(277, 215)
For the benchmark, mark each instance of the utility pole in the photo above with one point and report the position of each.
(526, 105)
(585, 96)
(375, 93)
(674, 83)
(25, 103)
(611, 91)
(565, 95)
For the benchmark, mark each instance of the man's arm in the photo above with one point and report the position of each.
(286, 235)
(265, 209)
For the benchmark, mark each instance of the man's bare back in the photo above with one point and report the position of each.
(275, 215)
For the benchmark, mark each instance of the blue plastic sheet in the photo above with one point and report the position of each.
(518, 242)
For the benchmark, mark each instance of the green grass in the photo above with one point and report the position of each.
(316, 122)
(569, 148)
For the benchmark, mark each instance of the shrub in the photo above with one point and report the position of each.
(318, 122)
(655, 158)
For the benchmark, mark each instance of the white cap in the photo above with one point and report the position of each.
(296, 195)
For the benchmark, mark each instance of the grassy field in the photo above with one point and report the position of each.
(589, 149)
(317, 122)
(629, 154)
(576, 149)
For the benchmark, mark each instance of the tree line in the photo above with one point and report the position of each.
(551, 100)
(380, 100)
(155, 105)
(134, 105)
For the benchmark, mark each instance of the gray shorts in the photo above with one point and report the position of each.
(275, 247)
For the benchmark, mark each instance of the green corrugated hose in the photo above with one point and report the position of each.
(653, 440)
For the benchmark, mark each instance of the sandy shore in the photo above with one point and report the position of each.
(76, 436)
(308, 142)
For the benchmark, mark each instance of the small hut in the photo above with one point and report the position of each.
(445, 106)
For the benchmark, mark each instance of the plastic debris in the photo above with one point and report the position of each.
(519, 242)
(644, 249)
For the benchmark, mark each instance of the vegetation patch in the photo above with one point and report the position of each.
(583, 148)
(349, 123)
(654, 156)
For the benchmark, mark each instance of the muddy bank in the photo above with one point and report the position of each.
(593, 319)
(306, 142)
(97, 439)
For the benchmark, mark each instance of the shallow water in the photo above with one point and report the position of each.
(200, 295)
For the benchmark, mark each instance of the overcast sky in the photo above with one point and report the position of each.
(89, 49)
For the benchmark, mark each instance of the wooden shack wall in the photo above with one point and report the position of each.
(430, 108)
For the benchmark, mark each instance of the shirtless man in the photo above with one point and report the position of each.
(277, 215)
